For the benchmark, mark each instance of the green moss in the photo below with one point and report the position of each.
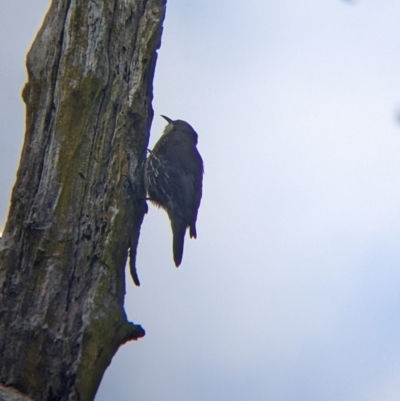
(99, 344)
(34, 363)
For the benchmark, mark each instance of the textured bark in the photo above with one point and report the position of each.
(79, 200)
(9, 394)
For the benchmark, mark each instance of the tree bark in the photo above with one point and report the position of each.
(79, 201)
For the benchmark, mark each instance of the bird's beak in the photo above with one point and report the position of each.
(168, 119)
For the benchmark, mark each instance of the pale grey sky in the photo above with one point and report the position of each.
(292, 290)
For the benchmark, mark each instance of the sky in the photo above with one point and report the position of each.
(291, 291)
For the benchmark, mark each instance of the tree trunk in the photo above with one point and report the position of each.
(78, 202)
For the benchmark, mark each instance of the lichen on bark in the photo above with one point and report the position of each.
(78, 201)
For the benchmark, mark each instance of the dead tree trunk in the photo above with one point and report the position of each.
(78, 202)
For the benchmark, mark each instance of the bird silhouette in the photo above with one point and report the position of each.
(173, 178)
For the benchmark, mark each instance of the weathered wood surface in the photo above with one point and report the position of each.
(78, 201)
(9, 394)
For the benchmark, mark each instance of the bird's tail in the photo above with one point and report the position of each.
(192, 231)
(178, 231)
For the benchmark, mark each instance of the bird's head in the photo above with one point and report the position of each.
(181, 126)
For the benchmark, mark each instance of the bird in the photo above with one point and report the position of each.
(173, 179)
